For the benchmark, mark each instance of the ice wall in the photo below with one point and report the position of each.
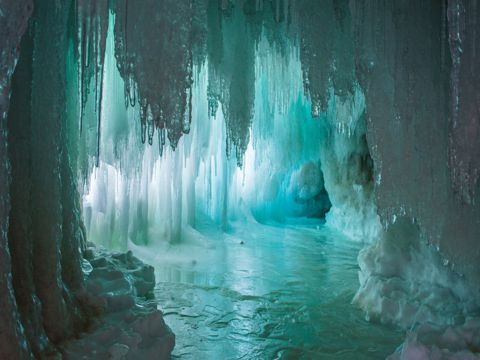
(404, 65)
(409, 64)
(13, 22)
(44, 224)
(464, 147)
(259, 111)
(149, 195)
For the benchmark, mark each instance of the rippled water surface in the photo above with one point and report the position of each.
(266, 292)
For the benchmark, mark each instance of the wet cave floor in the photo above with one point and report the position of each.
(266, 292)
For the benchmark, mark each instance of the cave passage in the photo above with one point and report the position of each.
(246, 263)
(267, 291)
(239, 179)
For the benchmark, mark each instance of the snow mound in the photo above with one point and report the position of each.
(405, 281)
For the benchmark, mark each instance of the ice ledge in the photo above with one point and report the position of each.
(125, 322)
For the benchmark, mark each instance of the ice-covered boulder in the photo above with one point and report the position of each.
(125, 322)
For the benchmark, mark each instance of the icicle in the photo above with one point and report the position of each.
(126, 94)
(143, 132)
(87, 41)
(132, 91)
(173, 141)
(228, 149)
(101, 30)
(161, 140)
(239, 155)
(80, 61)
(151, 125)
(160, 146)
(96, 52)
(84, 42)
(126, 28)
(212, 106)
(99, 120)
(187, 119)
(143, 122)
(162, 136)
(84, 66)
(151, 132)
(277, 11)
(316, 110)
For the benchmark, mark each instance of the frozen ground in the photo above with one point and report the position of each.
(266, 292)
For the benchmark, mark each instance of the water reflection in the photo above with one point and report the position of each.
(266, 292)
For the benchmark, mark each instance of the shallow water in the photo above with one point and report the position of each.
(266, 292)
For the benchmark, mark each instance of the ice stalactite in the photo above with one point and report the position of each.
(91, 19)
(317, 69)
(145, 43)
(215, 56)
(325, 36)
(233, 76)
(209, 29)
(234, 30)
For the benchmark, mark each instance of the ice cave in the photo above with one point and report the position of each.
(240, 179)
